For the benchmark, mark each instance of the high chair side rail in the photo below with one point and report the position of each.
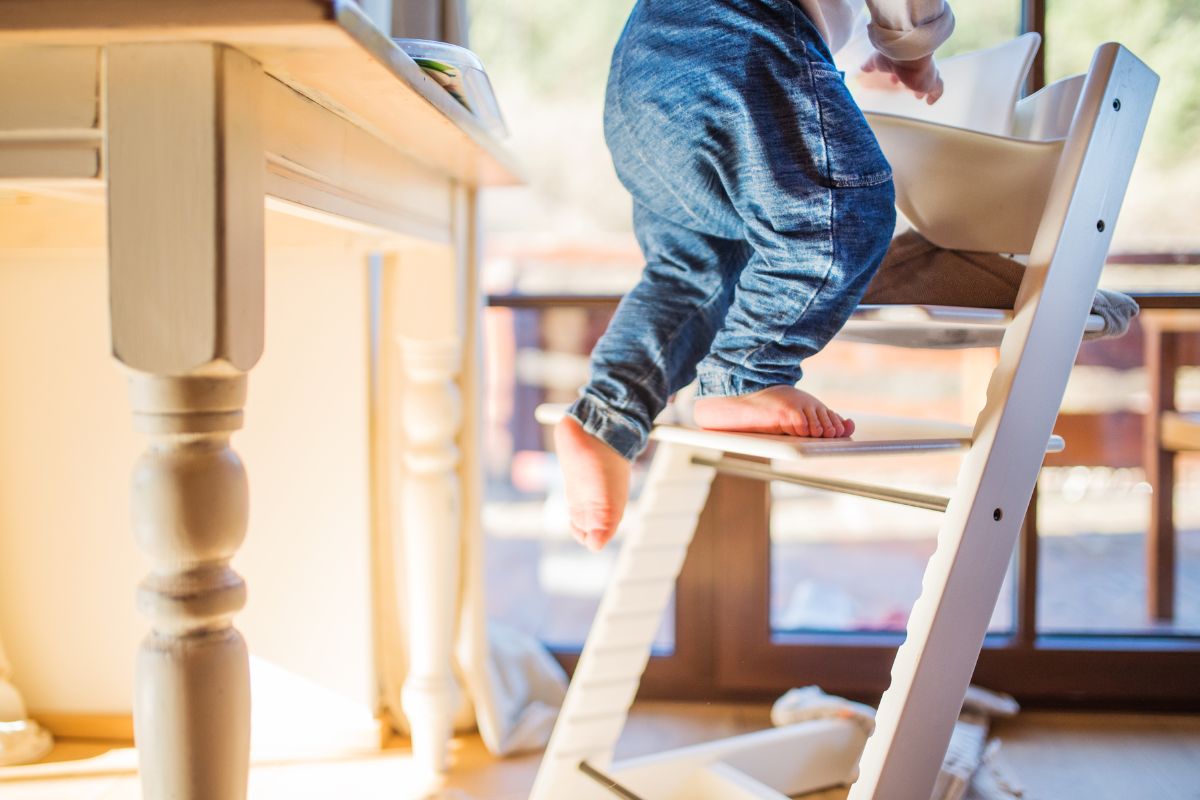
(979, 531)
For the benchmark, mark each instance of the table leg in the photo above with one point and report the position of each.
(190, 506)
(184, 160)
(430, 303)
(21, 739)
(430, 521)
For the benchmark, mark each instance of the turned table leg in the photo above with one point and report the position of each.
(190, 506)
(430, 302)
(429, 498)
(21, 739)
(185, 203)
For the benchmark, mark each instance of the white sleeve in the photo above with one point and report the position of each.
(904, 30)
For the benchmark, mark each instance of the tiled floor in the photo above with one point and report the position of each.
(1056, 756)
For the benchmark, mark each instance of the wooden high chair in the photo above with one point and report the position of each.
(1083, 134)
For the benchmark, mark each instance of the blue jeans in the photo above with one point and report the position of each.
(762, 203)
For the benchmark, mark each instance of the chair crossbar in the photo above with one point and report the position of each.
(763, 472)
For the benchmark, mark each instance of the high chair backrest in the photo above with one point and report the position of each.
(1047, 113)
(973, 171)
(981, 89)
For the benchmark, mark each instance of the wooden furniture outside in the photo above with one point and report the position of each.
(1170, 338)
(1168, 431)
(181, 119)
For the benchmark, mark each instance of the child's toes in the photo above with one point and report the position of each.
(827, 425)
(795, 424)
(814, 423)
(839, 425)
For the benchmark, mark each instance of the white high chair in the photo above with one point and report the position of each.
(1065, 224)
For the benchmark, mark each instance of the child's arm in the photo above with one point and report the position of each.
(905, 33)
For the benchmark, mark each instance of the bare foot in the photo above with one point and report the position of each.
(597, 483)
(777, 409)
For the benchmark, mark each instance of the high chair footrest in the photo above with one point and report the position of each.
(874, 435)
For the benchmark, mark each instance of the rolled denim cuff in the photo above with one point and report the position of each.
(609, 425)
(713, 382)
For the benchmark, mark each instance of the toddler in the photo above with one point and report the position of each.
(763, 206)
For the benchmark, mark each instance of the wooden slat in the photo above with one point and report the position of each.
(49, 88)
(56, 160)
(50, 114)
(1181, 431)
(1162, 362)
(318, 165)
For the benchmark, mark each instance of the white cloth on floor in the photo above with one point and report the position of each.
(810, 702)
(993, 780)
(970, 770)
(528, 689)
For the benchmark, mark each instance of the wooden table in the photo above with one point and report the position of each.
(179, 118)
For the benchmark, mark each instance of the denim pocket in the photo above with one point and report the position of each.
(852, 154)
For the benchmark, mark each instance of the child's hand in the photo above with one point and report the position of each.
(920, 77)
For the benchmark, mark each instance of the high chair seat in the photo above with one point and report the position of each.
(926, 296)
(973, 170)
(967, 190)
(937, 327)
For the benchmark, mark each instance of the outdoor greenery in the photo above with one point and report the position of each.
(1165, 34)
(549, 60)
(559, 47)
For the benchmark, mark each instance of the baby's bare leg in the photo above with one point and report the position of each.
(777, 409)
(662, 328)
(597, 483)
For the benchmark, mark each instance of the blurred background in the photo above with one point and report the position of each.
(561, 252)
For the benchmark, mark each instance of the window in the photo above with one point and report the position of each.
(785, 585)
